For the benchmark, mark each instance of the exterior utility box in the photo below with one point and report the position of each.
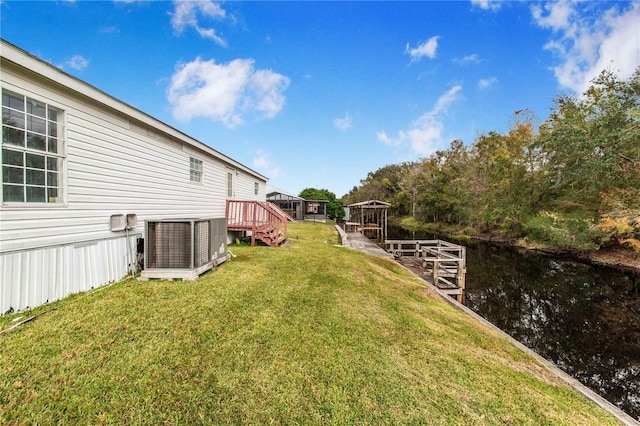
(183, 248)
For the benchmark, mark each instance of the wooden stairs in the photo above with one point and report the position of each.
(265, 221)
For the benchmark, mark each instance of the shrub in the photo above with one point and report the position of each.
(563, 231)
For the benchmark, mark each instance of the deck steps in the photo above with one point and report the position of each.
(265, 221)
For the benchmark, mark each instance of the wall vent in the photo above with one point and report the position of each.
(183, 248)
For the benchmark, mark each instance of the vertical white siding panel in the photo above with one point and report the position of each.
(91, 268)
(70, 270)
(109, 261)
(48, 274)
(10, 286)
(81, 267)
(38, 285)
(5, 284)
(32, 278)
(57, 273)
(97, 266)
(27, 277)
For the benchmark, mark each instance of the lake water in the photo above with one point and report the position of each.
(585, 319)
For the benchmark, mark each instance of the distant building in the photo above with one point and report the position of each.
(298, 208)
(288, 203)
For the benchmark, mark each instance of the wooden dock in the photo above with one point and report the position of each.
(357, 241)
(440, 262)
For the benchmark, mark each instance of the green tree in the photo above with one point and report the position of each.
(506, 169)
(445, 193)
(592, 158)
(592, 146)
(385, 184)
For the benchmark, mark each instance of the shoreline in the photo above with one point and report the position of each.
(614, 257)
(624, 259)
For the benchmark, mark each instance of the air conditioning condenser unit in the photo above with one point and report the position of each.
(183, 248)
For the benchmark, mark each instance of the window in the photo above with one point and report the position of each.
(32, 151)
(196, 169)
(230, 183)
(256, 188)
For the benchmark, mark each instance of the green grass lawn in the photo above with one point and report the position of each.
(309, 333)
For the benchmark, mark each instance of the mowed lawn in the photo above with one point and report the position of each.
(309, 333)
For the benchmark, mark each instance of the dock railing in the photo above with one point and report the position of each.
(445, 263)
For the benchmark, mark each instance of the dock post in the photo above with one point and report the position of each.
(436, 266)
(461, 274)
(460, 281)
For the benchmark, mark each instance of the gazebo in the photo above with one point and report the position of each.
(370, 218)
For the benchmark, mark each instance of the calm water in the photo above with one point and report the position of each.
(585, 319)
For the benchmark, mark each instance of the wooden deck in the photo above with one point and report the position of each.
(439, 262)
(359, 242)
(265, 221)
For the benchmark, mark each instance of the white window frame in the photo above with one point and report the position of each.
(256, 188)
(230, 189)
(196, 170)
(36, 167)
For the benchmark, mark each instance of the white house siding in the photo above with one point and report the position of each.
(244, 186)
(37, 276)
(115, 164)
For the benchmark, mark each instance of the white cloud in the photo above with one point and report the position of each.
(443, 102)
(485, 83)
(343, 123)
(427, 48)
(186, 14)
(469, 59)
(265, 89)
(225, 92)
(263, 163)
(109, 30)
(486, 4)
(587, 41)
(385, 139)
(557, 16)
(425, 135)
(77, 62)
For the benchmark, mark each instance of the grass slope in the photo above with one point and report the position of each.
(309, 333)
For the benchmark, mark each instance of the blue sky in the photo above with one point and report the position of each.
(318, 94)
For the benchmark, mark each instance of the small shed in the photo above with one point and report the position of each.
(371, 218)
(316, 210)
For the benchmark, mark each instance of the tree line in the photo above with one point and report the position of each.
(572, 181)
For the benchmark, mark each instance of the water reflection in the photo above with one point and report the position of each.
(585, 319)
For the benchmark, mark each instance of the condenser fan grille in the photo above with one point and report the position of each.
(169, 244)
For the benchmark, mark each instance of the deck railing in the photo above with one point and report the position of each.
(445, 262)
(262, 219)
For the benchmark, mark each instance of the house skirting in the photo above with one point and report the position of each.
(30, 278)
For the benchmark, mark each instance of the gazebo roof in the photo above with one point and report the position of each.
(371, 204)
